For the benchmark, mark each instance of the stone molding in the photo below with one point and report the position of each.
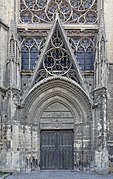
(61, 88)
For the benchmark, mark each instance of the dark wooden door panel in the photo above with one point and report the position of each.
(57, 149)
(48, 148)
(65, 144)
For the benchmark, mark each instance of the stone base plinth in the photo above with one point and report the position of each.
(101, 162)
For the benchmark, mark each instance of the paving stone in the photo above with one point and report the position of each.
(59, 175)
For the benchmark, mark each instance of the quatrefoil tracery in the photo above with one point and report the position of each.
(57, 61)
(79, 11)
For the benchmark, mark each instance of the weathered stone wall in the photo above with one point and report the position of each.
(9, 132)
(3, 52)
(108, 16)
(20, 144)
(101, 150)
(3, 58)
(9, 155)
(5, 9)
(110, 114)
(8, 11)
(30, 147)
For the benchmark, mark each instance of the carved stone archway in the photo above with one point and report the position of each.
(55, 104)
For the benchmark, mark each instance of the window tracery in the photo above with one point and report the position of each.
(30, 50)
(79, 11)
(57, 60)
(84, 50)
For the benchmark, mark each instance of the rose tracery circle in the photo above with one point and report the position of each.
(73, 11)
(59, 6)
(57, 61)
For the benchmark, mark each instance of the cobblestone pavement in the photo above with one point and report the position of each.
(59, 175)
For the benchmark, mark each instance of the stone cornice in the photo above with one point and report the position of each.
(49, 26)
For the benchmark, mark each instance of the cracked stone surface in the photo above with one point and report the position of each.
(59, 175)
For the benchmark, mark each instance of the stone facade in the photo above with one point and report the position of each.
(55, 96)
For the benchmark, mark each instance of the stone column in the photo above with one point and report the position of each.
(101, 152)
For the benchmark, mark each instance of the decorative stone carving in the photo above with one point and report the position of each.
(84, 50)
(80, 11)
(56, 114)
(16, 99)
(30, 50)
(56, 124)
(56, 58)
(32, 33)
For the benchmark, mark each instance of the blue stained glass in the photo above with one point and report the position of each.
(25, 64)
(80, 55)
(91, 17)
(85, 58)
(81, 67)
(29, 2)
(32, 65)
(81, 61)
(25, 58)
(28, 42)
(85, 42)
(88, 56)
(30, 52)
(33, 57)
(25, 55)
(26, 17)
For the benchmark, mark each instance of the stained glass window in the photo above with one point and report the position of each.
(84, 49)
(25, 58)
(73, 11)
(30, 52)
(56, 58)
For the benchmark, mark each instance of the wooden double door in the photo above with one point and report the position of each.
(56, 150)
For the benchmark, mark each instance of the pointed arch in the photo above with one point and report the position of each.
(59, 104)
(85, 52)
(45, 91)
(80, 57)
(89, 59)
(56, 58)
(33, 56)
(25, 58)
(29, 54)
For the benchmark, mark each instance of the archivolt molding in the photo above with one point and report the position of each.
(63, 88)
(57, 99)
(62, 97)
(72, 120)
(51, 82)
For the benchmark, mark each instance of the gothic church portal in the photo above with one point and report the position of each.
(56, 85)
